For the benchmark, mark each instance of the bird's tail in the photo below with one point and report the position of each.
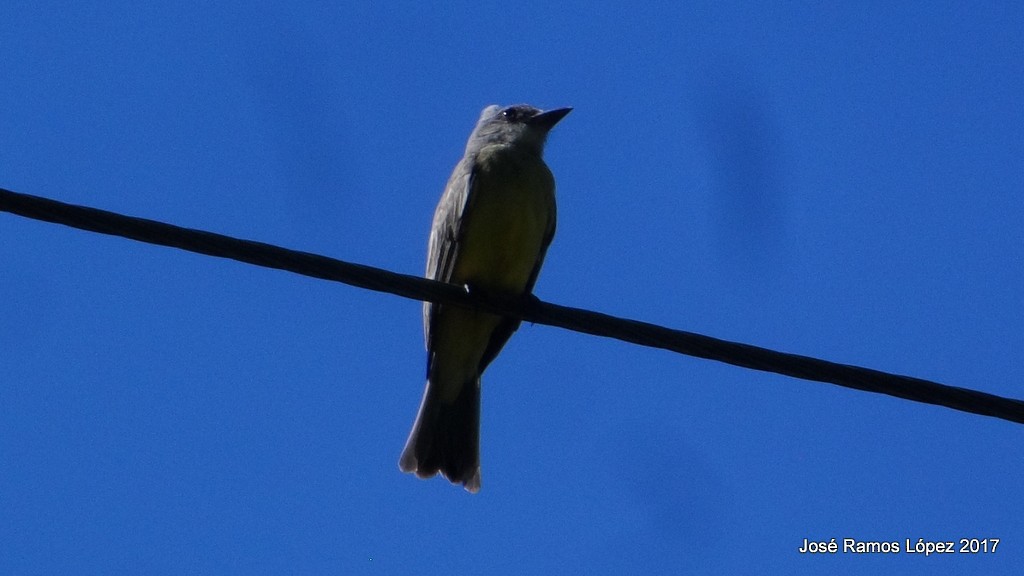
(446, 437)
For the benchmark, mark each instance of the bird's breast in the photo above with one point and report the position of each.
(507, 219)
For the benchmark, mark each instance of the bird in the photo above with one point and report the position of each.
(490, 233)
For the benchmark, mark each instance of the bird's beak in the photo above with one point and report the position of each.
(548, 119)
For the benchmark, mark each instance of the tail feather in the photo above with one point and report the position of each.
(446, 438)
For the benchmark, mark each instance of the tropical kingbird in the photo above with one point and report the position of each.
(491, 230)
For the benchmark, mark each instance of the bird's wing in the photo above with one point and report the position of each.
(445, 234)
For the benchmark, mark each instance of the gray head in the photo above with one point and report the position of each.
(521, 125)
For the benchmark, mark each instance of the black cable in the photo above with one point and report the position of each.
(531, 310)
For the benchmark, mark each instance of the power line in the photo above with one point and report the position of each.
(530, 310)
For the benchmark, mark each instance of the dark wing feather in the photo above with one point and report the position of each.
(445, 235)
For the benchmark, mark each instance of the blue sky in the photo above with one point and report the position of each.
(842, 182)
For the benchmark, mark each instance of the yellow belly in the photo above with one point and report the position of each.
(506, 223)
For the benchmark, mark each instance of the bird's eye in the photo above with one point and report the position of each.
(511, 114)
